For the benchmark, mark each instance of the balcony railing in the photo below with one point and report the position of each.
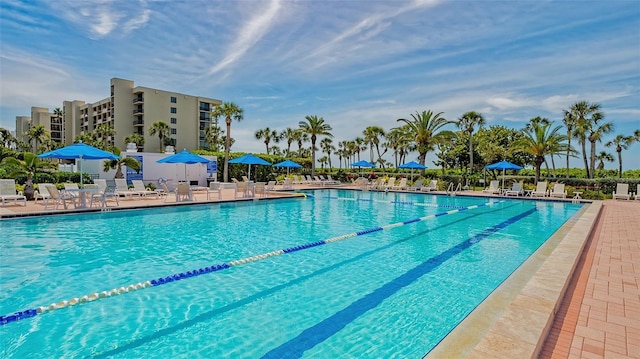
(138, 111)
(139, 122)
(138, 99)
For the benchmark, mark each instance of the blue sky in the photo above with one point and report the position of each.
(354, 63)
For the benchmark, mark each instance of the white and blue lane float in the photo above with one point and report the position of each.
(409, 203)
(30, 313)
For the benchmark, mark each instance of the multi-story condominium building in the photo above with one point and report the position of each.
(130, 109)
(40, 116)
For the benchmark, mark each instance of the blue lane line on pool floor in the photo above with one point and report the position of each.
(320, 332)
(32, 312)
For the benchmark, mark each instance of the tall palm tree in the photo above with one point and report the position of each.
(621, 142)
(103, 132)
(162, 129)
(467, 124)
(426, 131)
(569, 121)
(580, 111)
(372, 136)
(267, 135)
(289, 134)
(601, 157)
(314, 127)
(300, 137)
(540, 140)
(596, 130)
(230, 111)
(37, 134)
(326, 144)
(6, 138)
(212, 137)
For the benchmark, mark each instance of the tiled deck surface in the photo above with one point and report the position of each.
(599, 316)
(600, 313)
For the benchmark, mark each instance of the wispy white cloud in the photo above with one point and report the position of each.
(249, 34)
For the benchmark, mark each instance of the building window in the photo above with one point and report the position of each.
(174, 131)
(174, 110)
(174, 120)
(174, 99)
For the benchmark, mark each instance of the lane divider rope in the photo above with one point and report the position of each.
(410, 203)
(30, 313)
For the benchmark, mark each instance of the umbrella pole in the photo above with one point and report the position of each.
(80, 165)
(249, 175)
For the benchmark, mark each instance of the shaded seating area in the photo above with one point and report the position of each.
(103, 195)
(8, 192)
(59, 198)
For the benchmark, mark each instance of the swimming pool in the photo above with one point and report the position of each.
(419, 265)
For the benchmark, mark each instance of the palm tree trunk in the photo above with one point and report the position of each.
(620, 166)
(568, 149)
(227, 144)
(593, 159)
(313, 156)
(553, 165)
(584, 157)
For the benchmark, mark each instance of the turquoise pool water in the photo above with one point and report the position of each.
(388, 292)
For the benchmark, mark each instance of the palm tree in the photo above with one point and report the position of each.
(136, 138)
(327, 146)
(314, 127)
(300, 137)
(596, 130)
(27, 165)
(289, 134)
(267, 134)
(37, 134)
(426, 131)
(162, 129)
(104, 132)
(229, 111)
(467, 124)
(601, 157)
(212, 137)
(118, 163)
(6, 138)
(569, 121)
(540, 140)
(580, 111)
(372, 136)
(621, 142)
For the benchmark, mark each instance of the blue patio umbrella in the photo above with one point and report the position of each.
(288, 164)
(250, 159)
(185, 157)
(503, 165)
(363, 163)
(413, 165)
(79, 151)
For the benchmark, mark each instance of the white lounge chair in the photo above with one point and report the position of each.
(516, 190)
(138, 187)
(270, 187)
(390, 183)
(433, 186)
(637, 196)
(72, 189)
(401, 185)
(260, 189)
(541, 190)
(214, 189)
(622, 191)
(42, 192)
(103, 195)
(288, 184)
(123, 190)
(494, 187)
(8, 192)
(558, 191)
(416, 186)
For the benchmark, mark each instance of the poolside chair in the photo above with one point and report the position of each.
(494, 187)
(59, 197)
(558, 191)
(622, 191)
(138, 187)
(416, 186)
(42, 192)
(183, 192)
(401, 185)
(271, 186)
(541, 189)
(215, 188)
(433, 186)
(101, 182)
(72, 189)
(516, 190)
(123, 190)
(287, 184)
(637, 196)
(103, 195)
(241, 189)
(245, 179)
(8, 192)
(390, 183)
(260, 189)
(332, 181)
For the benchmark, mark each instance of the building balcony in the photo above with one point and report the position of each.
(138, 122)
(138, 100)
(138, 112)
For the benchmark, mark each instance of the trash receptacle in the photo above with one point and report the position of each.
(209, 180)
